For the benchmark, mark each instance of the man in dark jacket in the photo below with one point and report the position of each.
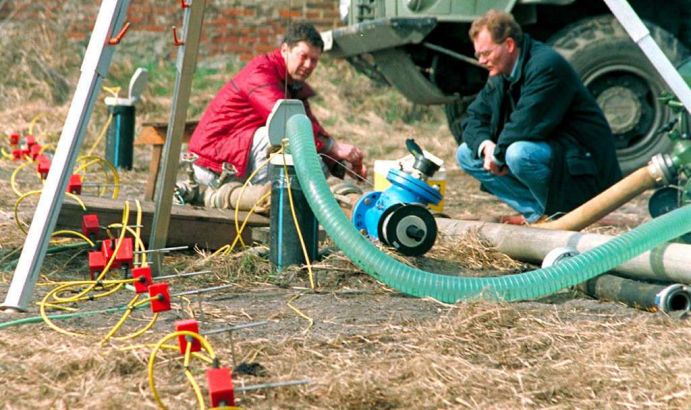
(534, 136)
(231, 133)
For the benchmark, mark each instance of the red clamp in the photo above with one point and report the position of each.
(43, 166)
(220, 387)
(97, 262)
(90, 226)
(160, 295)
(190, 325)
(14, 139)
(74, 186)
(125, 253)
(18, 153)
(35, 151)
(144, 279)
(30, 141)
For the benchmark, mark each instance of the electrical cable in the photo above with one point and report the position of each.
(228, 248)
(31, 193)
(13, 177)
(242, 192)
(106, 166)
(297, 224)
(109, 263)
(152, 358)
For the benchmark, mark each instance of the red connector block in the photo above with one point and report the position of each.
(30, 141)
(160, 295)
(91, 226)
(220, 385)
(190, 325)
(97, 262)
(74, 186)
(18, 154)
(43, 166)
(144, 279)
(35, 151)
(125, 254)
(14, 139)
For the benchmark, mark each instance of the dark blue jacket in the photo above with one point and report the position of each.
(548, 103)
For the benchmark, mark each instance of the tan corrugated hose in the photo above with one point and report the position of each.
(609, 200)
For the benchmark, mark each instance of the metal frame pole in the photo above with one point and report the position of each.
(640, 34)
(94, 68)
(185, 65)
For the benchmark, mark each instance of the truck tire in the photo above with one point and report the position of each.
(455, 112)
(624, 83)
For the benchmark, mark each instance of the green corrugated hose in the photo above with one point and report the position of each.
(450, 289)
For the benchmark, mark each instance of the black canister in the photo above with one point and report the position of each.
(120, 138)
(286, 249)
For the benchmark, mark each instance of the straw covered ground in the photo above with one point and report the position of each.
(359, 344)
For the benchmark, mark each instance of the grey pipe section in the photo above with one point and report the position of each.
(637, 294)
(667, 263)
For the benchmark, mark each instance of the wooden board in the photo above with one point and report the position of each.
(205, 227)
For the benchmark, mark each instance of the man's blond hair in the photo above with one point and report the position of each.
(500, 24)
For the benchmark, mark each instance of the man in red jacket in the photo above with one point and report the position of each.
(231, 140)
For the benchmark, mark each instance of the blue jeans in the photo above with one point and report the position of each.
(525, 187)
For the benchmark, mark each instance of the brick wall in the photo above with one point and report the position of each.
(241, 28)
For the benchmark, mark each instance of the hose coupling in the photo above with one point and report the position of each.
(674, 298)
(662, 169)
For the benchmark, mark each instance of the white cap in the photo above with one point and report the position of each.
(137, 85)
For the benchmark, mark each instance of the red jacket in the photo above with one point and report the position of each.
(226, 129)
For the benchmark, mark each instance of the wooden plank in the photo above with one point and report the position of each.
(154, 133)
(203, 227)
(154, 166)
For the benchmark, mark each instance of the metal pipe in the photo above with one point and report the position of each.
(667, 263)
(637, 294)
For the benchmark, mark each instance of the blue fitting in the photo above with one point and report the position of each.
(404, 189)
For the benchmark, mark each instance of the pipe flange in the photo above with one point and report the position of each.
(662, 169)
(558, 255)
(674, 298)
(410, 228)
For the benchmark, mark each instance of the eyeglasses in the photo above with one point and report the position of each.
(488, 52)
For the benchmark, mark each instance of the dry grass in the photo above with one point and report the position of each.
(367, 346)
(471, 356)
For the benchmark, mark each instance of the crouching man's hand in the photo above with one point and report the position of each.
(342, 151)
(489, 163)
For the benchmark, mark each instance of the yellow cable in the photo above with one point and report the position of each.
(242, 192)
(140, 256)
(46, 319)
(297, 224)
(299, 312)
(105, 167)
(44, 148)
(152, 358)
(125, 219)
(33, 122)
(244, 223)
(190, 376)
(74, 233)
(31, 193)
(139, 243)
(121, 321)
(5, 153)
(13, 177)
(101, 134)
(141, 331)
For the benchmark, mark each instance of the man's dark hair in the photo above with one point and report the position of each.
(303, 31)
(500, 24)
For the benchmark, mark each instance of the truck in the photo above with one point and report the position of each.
(422, 48)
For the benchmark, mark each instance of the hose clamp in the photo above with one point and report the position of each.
(557, 255)
(662, 169)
